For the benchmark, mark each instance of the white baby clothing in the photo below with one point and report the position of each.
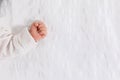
(15, 44)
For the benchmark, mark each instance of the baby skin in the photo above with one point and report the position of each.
(38, 30)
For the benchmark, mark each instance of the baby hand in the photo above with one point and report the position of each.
(38, 30)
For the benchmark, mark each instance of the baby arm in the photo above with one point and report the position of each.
(22, 42)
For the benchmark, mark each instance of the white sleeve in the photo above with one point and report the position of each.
(15, 44)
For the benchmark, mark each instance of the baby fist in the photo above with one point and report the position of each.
(38, 30)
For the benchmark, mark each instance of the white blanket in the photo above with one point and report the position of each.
(83, 41)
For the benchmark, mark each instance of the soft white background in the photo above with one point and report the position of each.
(83, 41)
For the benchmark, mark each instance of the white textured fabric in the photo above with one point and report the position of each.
(83, 41)
(15, 44)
